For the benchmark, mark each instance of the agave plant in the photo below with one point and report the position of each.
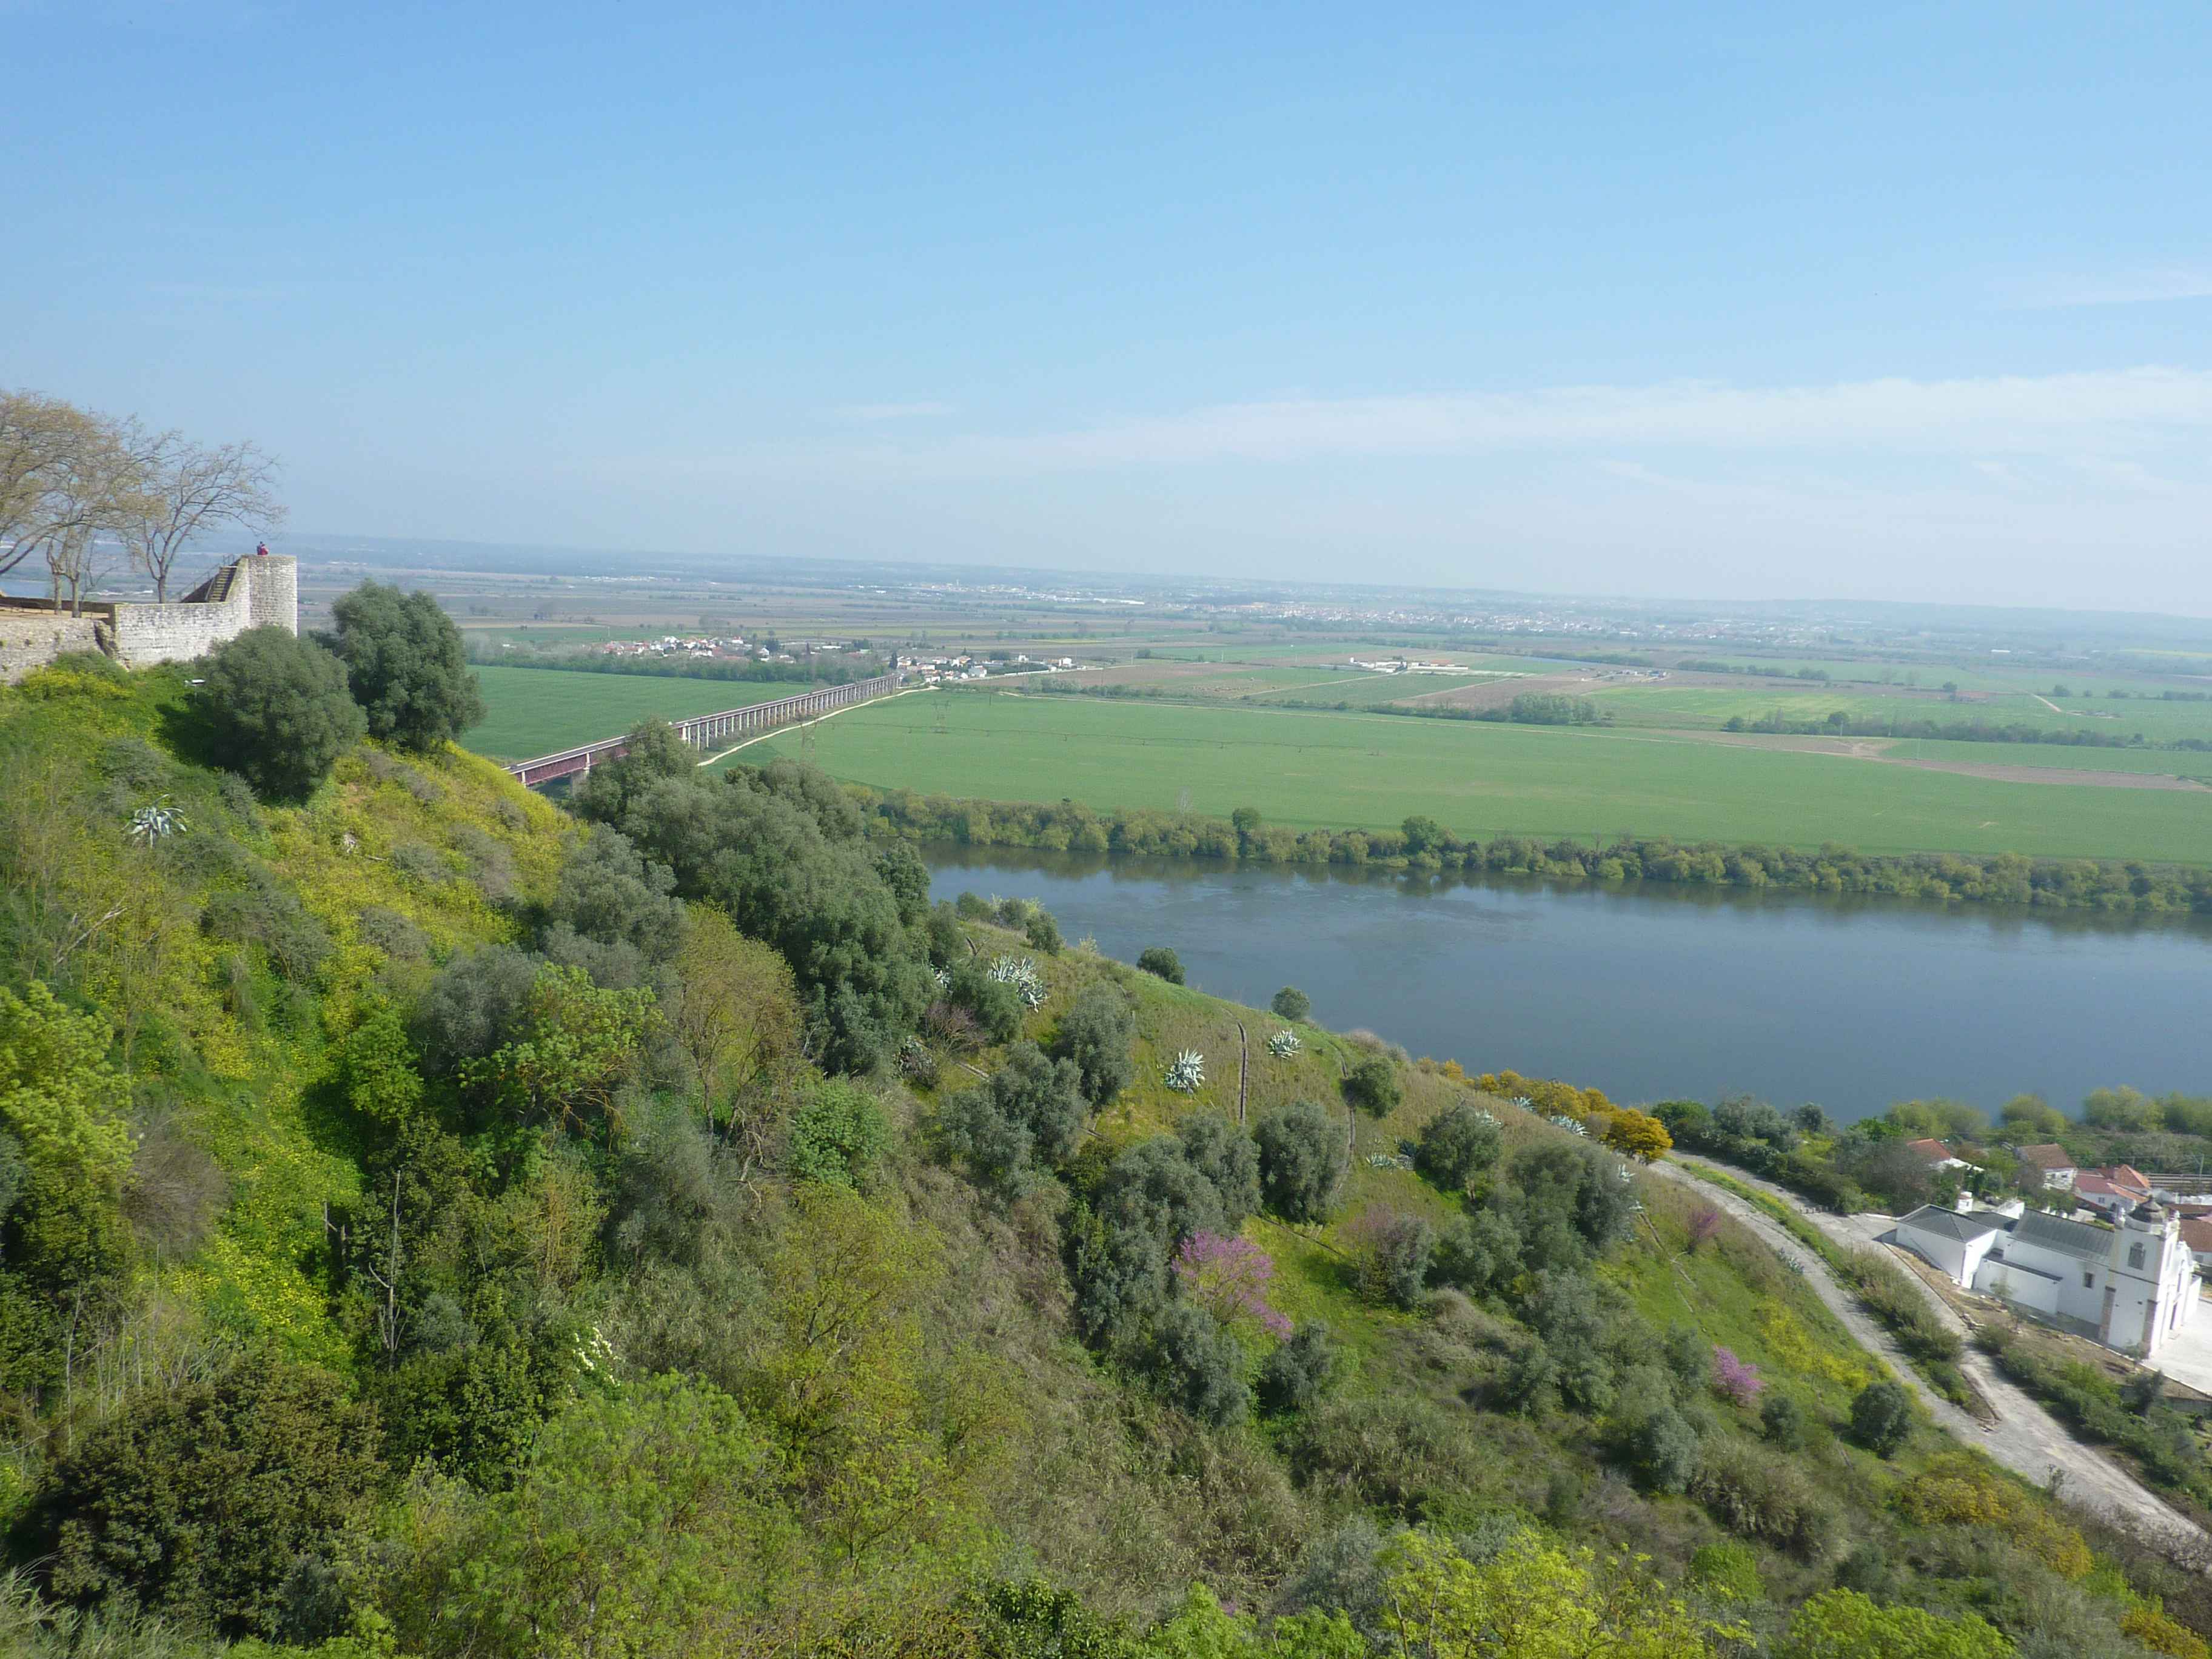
(1186, 1072)
(1571, 1125)
(151, 823)
(1021, 973)
(1283, 1044)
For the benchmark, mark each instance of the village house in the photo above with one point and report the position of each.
(1939, 1155)
(2197, 1233)
(2056, 1163)
(2111, 1192)
(2130, 1285)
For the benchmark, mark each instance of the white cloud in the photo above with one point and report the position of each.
(2133, 288)
(2052, 414)
(892, 411)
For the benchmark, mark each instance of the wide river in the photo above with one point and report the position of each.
(1663, 991)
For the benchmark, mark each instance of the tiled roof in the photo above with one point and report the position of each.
(2047, 1155)
(1946, 1222)
(2196, 1232)
(2075, 1238)
(1931, 1150)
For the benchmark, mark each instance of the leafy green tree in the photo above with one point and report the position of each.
(1299, 1372)
(406, 663)
(1456, 1145)
(1662, 1449)
(377, 1065)
(1195, 1362)
(1423, 834)
(1303, 1161)
(996, 1004)
(1042, 931)
(195, 1500)
(1882, 1418)
(1532, 1599)
(1392, 1253)
(1291, 1004)
(1781, 1419)
(654, 751)
(472, 1409)
(1225, 1156)
(63, 1108)
(1478, 1252)
(1162, 963)
(1568, 1198)
(278, 712)
(577, 1044)
(645, 1523)
(608, 893)
(1096, 1033)
(1028, 1116)
(1842, 1624)
(838, 1135)
(1155, 1188)
(1373, 1086)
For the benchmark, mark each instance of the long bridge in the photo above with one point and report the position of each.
(704, 730)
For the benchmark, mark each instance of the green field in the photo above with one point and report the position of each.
(537, 711)
(1327, 770)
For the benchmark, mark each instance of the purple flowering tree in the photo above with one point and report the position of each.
(1228, 1277)
(1737, 1379)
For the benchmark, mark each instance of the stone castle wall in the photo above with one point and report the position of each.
(255, 592)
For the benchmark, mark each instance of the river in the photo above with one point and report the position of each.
(1657, 990)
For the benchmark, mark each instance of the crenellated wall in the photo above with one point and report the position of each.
(262, 591)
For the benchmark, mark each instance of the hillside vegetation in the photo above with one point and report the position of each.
(431, 1223)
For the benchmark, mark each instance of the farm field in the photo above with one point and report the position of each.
(530, 712)
(1311, 770)
(1711, 706)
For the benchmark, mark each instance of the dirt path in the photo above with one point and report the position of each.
(1243, 1070)
(2026, 1438)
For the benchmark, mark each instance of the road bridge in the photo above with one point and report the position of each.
(708, 731)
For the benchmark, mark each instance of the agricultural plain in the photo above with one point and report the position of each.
(1309, 768)
(536, 711)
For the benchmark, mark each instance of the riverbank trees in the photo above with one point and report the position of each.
(1945, 878)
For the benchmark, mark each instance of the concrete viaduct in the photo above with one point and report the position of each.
(707, 731)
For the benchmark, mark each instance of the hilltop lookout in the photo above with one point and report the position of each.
(259, 590)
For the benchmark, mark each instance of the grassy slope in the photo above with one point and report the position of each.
(250, 1065)
(1309, 769)
(536, 711)
(1734, 1290)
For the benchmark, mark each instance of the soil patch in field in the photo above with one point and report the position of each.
(1878, 749)
(1497, 694)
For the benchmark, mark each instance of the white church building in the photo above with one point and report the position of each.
(2129, 1286)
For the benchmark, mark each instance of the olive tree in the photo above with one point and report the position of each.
(1303, 1160)
(278, 712)
(404, 661)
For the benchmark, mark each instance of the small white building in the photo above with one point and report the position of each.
(2129, 1286)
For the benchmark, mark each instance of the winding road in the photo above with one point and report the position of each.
(2026, 1438)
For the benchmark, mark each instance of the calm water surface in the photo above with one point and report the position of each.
(1658, 990)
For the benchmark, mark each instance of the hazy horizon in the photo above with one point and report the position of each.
(1892, 306)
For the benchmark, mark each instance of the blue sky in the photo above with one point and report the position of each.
(1885, 300)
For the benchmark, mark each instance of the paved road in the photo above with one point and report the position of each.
(2026, 1438)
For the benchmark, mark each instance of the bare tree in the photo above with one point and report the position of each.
(37, 436)
(94, 488)
(190, 488)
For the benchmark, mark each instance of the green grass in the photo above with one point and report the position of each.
(1310, 769)
(1710, 706)
(537, 711)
